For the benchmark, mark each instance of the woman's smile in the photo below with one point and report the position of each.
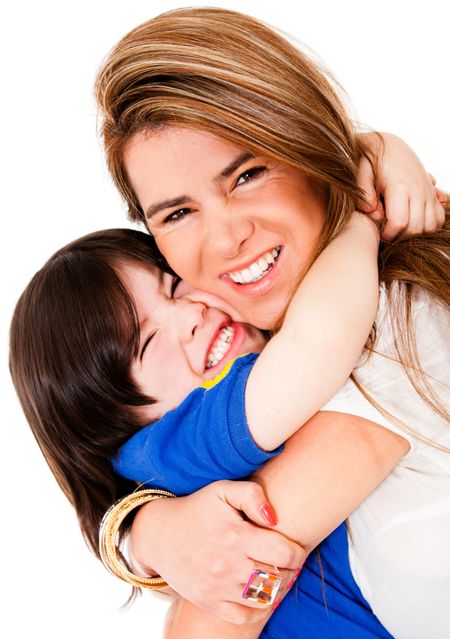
(257, 278)
(237, 225)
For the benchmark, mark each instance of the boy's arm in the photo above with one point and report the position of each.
(323, 334)
(411, 202)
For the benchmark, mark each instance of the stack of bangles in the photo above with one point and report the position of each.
(262, 586)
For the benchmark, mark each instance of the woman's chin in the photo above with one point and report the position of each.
(264, 315)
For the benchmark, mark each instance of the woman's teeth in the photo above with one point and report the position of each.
(258, 269)
(221, 346)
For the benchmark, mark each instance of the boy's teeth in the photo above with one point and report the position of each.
(220, 347)
(258, 269)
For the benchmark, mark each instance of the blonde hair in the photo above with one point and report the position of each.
(231, 75)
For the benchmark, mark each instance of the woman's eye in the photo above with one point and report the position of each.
(250, 174)
(177, 215)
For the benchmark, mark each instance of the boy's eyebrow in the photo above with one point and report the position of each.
(181, 199)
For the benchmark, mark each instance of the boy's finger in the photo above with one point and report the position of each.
(366, 182)
(397, 215)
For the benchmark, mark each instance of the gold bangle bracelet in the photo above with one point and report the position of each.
(110, 553)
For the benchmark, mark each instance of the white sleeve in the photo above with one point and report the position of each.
(385, 380)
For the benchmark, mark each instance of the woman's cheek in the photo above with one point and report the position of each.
(213, 301)
(179, 254)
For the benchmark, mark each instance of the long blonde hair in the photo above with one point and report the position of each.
(231, 75)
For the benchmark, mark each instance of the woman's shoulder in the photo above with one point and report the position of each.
(392, 303)
(383, 389)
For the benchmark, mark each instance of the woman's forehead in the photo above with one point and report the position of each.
(180, 153)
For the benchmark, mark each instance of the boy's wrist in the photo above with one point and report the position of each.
(363, 225)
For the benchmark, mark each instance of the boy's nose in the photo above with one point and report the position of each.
(190, 315)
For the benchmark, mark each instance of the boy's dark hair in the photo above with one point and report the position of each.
(73, 336)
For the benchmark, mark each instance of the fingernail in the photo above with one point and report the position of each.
(268, 514)
(276, 604)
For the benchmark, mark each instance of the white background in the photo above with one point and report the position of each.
(393, 60)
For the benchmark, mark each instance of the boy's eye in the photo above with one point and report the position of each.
(176, 280)
(177, 215)
(146, 343)
(250, 174)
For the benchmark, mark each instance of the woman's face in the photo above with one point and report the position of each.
(183, 340)
(239, 226)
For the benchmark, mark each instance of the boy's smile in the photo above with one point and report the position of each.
(184, 340)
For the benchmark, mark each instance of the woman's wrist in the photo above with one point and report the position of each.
(111, 540)
(147, 535)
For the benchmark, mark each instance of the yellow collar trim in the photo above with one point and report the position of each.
(210, 383)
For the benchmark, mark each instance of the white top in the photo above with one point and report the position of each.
(399, 538)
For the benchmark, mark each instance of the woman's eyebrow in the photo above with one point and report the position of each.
(235, 164)
(181, 199)
(165, 204)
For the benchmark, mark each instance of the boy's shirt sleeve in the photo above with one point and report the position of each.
(205, 439)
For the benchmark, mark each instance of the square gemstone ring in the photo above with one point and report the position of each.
(262, 587)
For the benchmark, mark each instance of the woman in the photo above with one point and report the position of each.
(200, 83)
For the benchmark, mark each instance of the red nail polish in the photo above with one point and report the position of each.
(268, 514)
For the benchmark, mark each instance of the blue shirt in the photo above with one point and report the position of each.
(325, 602)
(207, 438)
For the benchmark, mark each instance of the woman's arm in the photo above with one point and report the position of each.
(334, 464)
(327, 469)
(185, 620)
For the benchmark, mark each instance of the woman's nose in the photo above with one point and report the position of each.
(227, 232)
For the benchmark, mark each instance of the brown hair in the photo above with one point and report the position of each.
(231, 75)
(73, 335)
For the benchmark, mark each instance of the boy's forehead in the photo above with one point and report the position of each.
(140, 275)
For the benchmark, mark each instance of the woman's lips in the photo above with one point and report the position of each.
(262, 286)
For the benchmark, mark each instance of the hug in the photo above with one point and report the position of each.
(144, 358)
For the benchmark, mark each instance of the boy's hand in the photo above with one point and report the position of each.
(412, 204)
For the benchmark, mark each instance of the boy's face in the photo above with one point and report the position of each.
(187, 336)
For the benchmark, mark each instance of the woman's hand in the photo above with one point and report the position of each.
(412, 204)
(211, 561)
